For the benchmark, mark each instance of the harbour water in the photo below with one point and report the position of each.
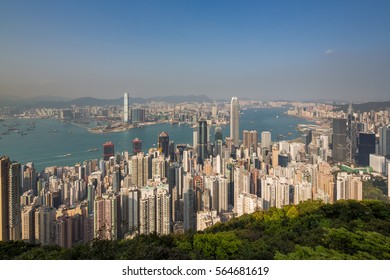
(52, 142)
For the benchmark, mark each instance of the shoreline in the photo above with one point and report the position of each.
(121, 128)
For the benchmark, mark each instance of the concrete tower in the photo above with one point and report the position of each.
(234, 121)
(126, 107)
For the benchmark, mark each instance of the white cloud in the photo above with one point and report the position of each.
(329, 52)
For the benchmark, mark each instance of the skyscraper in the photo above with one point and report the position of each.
(202, 140)
(266, 139)
(163, 143)
(14, 201)
(108, 150)
(234, 121)
(126, 107)
(366, 146)
(137, 146)
(4, 210)
(384, 141)
(351, 135)
(339, 136)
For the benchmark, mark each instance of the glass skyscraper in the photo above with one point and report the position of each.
(234, 121)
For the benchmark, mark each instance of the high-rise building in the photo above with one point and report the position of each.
(384, 141)
(351, 136)
(10, 186)
(339, 141)
(106, 216)
(366, 146)
(108, 150)
(5, 164)
(265, 139)
(234, 121)
(249, 139)
(129, 202)
(163, 143)
(126, 107)
(218, 134)
(202, 140)
(137, 115)
(137, 146)
(154, 210)
(14, 201)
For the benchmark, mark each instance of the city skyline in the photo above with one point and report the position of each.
(252, 49)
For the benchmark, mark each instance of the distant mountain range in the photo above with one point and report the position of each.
(59, 102)
(366, 107)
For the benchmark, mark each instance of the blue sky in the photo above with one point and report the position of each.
(255, 49)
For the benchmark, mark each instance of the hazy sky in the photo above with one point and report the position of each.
(256, 49)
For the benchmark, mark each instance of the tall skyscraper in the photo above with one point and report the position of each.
(137, 115)
(339, 136)
(266, 139)
(108, 150)
(234, 121)
(4, 201)
(351, 135)
(366, 146)
(137, 146)
(107, 217)
(10, 185)
(384, 141)
(14, 201)
(163, 143)
(249, 139)
(125, 107)
(202, 140)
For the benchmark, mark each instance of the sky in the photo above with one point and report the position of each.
(264, 50)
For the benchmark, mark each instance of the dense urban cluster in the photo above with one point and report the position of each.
(176, 188)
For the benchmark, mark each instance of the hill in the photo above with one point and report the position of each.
(59, 102)
(311, 230)
(366, 107)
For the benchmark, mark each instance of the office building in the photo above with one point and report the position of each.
(163, 143)
(266, 139)
(366, 146)
(202, 141)
(137, 115)
(249, 139)
(108, 150)
(339, 140)
(384, 141)
(125, 107)
(378, 163)
(234, 121)
(137, 146)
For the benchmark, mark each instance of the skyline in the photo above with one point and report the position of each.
(255, 49)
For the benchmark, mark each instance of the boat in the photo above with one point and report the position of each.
(23, 133)
(93, 150)
(68, 155)
(277, 116)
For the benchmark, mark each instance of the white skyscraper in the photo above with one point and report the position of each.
(234, 121)
(126, 107)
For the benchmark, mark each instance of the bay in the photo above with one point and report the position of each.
(53, 142)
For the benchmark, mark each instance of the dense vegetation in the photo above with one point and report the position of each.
(310, 230)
